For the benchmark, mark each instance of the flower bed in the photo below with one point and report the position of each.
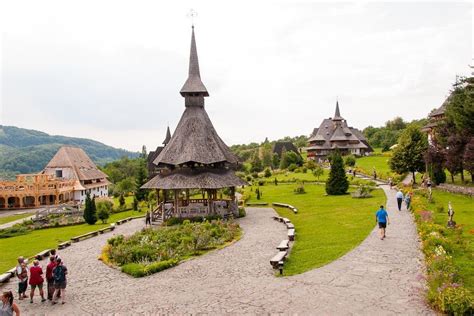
(153, 250)
(446, 292)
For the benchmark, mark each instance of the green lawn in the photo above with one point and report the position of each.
(11, 218)
(30, 244)
(327, 227)
(464, 215)
(367, 164)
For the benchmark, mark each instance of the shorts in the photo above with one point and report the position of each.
(33, 286)
(382, 225)
(60, 285)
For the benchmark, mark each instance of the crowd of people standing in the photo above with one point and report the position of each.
(55, 276)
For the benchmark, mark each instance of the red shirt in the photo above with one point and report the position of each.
(35, 275)
(49, 270)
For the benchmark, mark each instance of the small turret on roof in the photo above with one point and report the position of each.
(168, 136)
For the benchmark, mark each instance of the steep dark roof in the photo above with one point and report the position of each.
(288, 146)
(168, 136)
(195, 140)
(194, 84)
(337, 115)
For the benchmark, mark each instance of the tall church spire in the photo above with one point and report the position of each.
(337, 115)
(193, 87)
(168, 136)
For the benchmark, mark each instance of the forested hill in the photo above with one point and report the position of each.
(26, 151)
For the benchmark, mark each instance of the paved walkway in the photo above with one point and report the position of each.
(18, 221)
(378, 277)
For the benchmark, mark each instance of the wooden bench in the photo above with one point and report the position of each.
(286, 220)
(290, 226)
(277, 259)
(291, 234)
(5, 277)
(277, 218)
(85, 236)
(294, 209)
(12, 271)
(110, 228)
(284, 245)
(256, 204)
(64, 244)
(44, 253)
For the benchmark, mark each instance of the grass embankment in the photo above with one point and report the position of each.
(449, 252)
(327, 227)
(11, 218)
(38, 240)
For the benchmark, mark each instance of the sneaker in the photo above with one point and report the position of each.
(43, 300)
(53, 302)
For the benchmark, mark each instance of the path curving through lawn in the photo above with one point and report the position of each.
(378, 277)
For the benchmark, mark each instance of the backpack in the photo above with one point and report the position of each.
(58, 274)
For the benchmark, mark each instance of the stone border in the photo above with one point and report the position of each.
(291, 207)
(5, 277)
(456, 189)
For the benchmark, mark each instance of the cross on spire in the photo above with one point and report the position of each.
(192, 15)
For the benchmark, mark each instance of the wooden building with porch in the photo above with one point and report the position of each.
(195, 159)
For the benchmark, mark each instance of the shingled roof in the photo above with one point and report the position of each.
(195, 140)
(76, 159)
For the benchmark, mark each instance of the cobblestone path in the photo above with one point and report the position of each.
(376, 278)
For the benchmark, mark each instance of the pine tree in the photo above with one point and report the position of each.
(284, 160)
(140, 180)
(468, 158)
(337, 183)
(90, 214)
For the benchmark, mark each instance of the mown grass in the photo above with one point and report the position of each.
(463, 206)
(11, 218)
(38, 240)
(327, 227)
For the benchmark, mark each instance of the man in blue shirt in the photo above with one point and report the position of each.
(381, 217)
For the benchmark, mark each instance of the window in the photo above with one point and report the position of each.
(59, 173)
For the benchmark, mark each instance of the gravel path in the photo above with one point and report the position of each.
(378, 277)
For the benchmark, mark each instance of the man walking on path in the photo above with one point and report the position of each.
(381, 217)
(147, 219)
(399, 196)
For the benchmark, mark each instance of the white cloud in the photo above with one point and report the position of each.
(112, 70)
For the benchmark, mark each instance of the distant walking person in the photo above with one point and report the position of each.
(390, 183)
(381, 217)
(49, 277)
(59, 274)
(408, 200)
(22, 275)
(399, 196)
(148, 219)
(375, 175)
(36, 280)
(8, 307)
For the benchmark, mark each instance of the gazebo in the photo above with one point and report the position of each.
(195, 158)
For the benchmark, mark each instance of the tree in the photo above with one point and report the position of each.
(275, 161)
(135, 203)
(267, 173)
(90, 215)
(256, 163)
(144, 154)
(318, 171)
(104, 208)
(140, 180)
(460, 108)
(408, 155)
(395, 124)
(337, 183)
(454, 154)
(350, 161)
(121, 200)
(468, 158)
(311, 165)
(435, 160)
(284, 160)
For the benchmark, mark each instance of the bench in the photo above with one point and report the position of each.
(290, 226)
(88, 235)
(44, 253)
(286, 220)
(291, 234)
(294, 209)
(278, 259)
(64, 244)
(110, 228)
(5, 277)
(284, 245)
(12, 271)
(277, 218)
(256, 203)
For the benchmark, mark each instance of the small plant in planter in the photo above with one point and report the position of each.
(300, 189)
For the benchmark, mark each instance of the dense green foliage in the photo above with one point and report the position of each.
(28, 151)
(168, 245)
(90, 213)
(408, 155)
(320, 218)
(337, 183)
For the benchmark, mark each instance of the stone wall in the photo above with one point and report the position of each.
(451, 188)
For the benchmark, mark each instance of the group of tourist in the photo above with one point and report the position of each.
(34, 276)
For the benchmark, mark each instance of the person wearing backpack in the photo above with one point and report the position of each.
(49, 276)
(22, 275)
(59, 275)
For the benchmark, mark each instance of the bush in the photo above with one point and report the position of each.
(292, 167)
(104, 208)
(267, 173)
(242, 212)
(16, 230)
(456, 301)
(300, 189)
(90, 213)
(363, 192)
(350, 161)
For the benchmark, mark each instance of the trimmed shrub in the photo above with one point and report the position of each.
(337, 183)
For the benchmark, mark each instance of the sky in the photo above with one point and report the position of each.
(112, 70)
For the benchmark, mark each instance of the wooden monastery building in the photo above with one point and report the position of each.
(334, 133)
(68, 177)
(195, 159)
